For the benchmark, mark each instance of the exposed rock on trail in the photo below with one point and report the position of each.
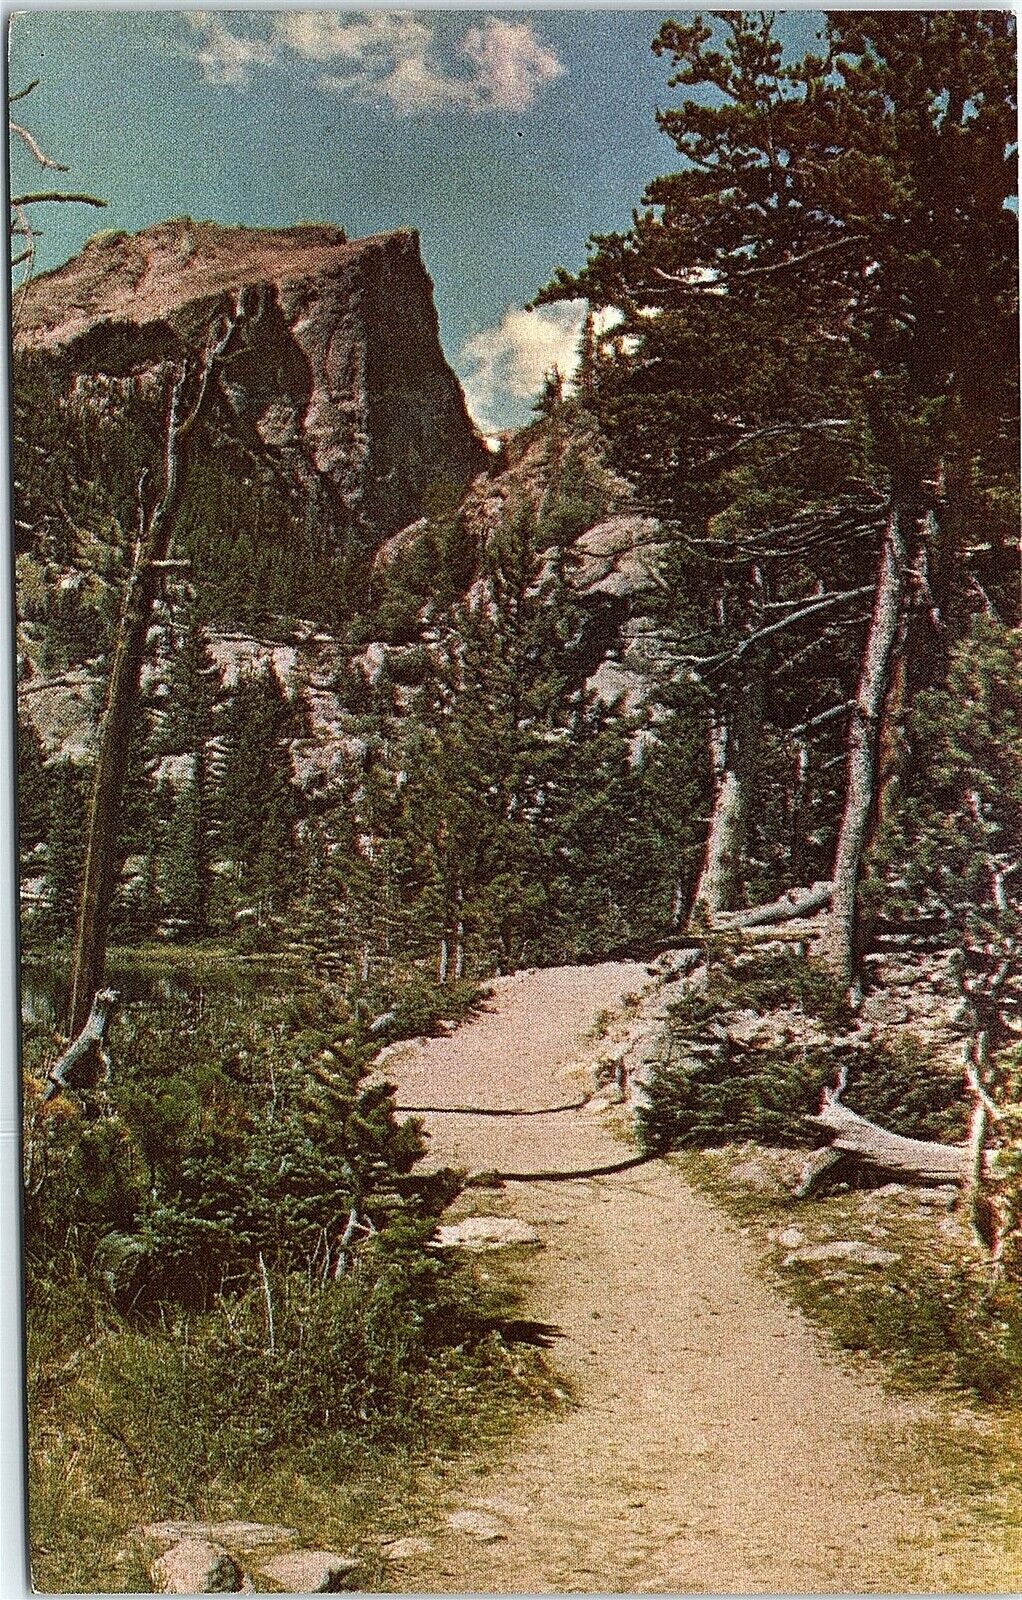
(716, 1446)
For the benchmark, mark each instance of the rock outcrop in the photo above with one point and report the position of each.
(340, 375)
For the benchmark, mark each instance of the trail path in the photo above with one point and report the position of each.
(717, 1446)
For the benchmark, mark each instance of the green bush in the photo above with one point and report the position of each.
(712, 1090)
(909, 1088)
(730, 1095)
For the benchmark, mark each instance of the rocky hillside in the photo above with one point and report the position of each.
(342, 377)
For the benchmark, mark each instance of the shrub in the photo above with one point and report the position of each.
(908, 1087)
(713, 1091)
(728, 1095)
(295, 1370)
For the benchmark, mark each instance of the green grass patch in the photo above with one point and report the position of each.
(936, 1318)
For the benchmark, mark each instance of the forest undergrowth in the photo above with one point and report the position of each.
(229, 1307)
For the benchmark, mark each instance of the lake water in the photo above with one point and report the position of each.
(44, 981)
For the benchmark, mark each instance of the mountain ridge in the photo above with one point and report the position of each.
(340, 371)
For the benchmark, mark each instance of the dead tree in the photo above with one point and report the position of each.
(23, 233)
(854, 1140)
(732, 741)
(91, 1041)
(863, 742)
(189, 399)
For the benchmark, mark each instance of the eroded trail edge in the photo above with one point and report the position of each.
(716, 1445)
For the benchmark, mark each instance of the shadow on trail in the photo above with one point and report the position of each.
(497, 1111)
(487, 1180)
(521, 1330)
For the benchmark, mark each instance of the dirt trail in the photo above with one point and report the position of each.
(716, 1446)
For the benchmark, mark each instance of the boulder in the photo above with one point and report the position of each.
(309, 1571)
(756, 1174)
(486, 1233)
(195, 1566)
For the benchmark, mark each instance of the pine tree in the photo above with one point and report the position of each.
(192, 689)
(957, 847)
(65, 848)
(33, 788)
(840, 229)
(258, 804)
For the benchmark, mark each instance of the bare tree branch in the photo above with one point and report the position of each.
(43, 159)
(62, 199)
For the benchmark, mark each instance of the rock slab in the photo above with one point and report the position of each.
(407, 1547)
(486, 1233)
(195, 1566)
(309, 1571)
(477, 1525)
(855, 1251)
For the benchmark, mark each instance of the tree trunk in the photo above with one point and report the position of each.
(99, 879)
(789, 906)
(922, 1160)
(720, 879)
(863, 740)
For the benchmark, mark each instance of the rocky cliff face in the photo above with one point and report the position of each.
(341, 374)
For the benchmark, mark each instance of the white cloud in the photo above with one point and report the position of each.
(505, 366)
(510, 65)
(393, 56)
(222, 56)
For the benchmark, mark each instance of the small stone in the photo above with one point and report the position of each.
(791, 1238)
(486, 1233)
(309, 1571)
(476, 1525)
(407, 1548)
(194, 1566)
(854, 1251)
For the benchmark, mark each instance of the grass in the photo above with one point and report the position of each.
(180, 1401)
(936, 1317)
(124, 1431)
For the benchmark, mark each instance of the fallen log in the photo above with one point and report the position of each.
(856, 1139)
(793, 903)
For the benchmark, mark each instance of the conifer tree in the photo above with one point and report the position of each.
(853, 204)
(258, 803)
(187, 870)
(64, 848)
(957, 848)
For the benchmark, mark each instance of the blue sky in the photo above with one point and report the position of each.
(505, 137)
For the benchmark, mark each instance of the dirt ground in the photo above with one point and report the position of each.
(716, 1445)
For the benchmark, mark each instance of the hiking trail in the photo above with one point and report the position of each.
(717, 1444)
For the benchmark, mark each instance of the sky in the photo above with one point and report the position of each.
(506, 137)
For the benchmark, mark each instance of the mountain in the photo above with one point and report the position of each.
(345, 549)
(341, 380)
